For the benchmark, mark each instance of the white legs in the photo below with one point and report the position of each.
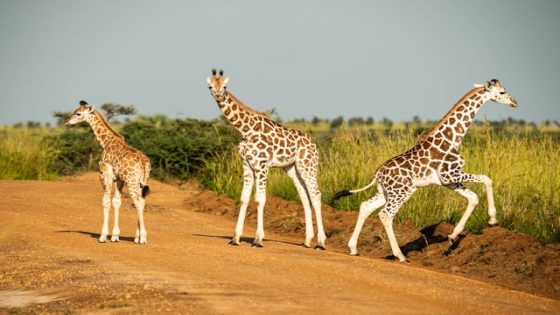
(116, 206)
(248, 180)
(107, 179)
(309, 234)
(308, 193)
(366, 209)
(472, 200)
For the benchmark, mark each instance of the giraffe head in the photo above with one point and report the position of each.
(80, 114)
(217, 84)
(498, 93)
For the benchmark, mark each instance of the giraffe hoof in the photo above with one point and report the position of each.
(320, 247)
(257, 245)
(450, 239)
(405, 261)
(102, 239)
(233, 243)
(355, 254)
(114, 238)
(305, 245)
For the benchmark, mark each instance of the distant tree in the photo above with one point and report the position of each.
(416, 120)
(387, 122)
(316, 120)
(370, 121)
(33, 124)
(111, 110)
(60, 117)
(356, 121)
(337, 122)
(557, 123)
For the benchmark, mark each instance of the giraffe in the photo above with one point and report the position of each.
(119, 163)
(435, 159)
(267, 144)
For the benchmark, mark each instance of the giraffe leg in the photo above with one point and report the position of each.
(261, 176)
(366, 209)
(394, 201)
(139, 203)
(307, 169)
(292, 173)
(472, 202)
(475, 178)
(116, 206)
(248, 180)
(106, 177)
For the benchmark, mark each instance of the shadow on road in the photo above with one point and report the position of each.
(97, 235)
(245, 239)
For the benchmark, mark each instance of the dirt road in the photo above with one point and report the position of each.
(50, 262)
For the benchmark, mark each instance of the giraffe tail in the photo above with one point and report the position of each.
(347, 192)
(144, 182)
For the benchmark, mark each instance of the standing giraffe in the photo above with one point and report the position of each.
(266, 144)
(119, 163)
(435, 159)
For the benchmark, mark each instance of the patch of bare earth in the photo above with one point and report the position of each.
(510, 259)
(51, 262)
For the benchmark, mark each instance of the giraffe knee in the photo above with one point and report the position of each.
(386, 217)
(472, 198)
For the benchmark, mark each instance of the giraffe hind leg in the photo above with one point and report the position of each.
(116, 206)
(303, 195)
(307, 169)
(141, 236)
(106, 177)
(366, 209)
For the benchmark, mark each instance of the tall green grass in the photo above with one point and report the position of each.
(523, 167)
(24, 154)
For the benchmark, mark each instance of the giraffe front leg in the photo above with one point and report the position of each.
(106, 177)
(260, 197)
(473, 178)
(116, 206)
(292, 173)
(472, 200)
(386, 217)
(366, 209)
(248, 180)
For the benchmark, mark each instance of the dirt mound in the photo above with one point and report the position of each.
(511, 259)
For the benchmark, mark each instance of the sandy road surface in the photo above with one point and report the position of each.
(51, 262)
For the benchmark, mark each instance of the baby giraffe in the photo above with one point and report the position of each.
(120, 164)
(267, 144)
(435, 159)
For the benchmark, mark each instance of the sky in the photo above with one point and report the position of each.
(394, 59)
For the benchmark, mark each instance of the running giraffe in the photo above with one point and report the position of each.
(119, 163)
(267, 144)
(435, 159)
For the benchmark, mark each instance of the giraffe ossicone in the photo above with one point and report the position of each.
(120, 164)
(434, 160)
(267, 144)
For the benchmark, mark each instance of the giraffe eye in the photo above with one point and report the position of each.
(78, 114)
(502, 92)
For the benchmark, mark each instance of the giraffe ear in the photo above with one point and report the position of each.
(91, 108)
(209, 80)
(226, 79)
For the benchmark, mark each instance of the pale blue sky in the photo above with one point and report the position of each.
(394, 59)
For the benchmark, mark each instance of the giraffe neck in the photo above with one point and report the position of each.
(454, 125)
(102, 131)
(239, 115)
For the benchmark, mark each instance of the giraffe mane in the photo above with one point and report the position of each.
(430, 132)
(106, 124)
(247, 108)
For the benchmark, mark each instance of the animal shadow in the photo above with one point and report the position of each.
(97, 235)
(428, 237)
(246, 239)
